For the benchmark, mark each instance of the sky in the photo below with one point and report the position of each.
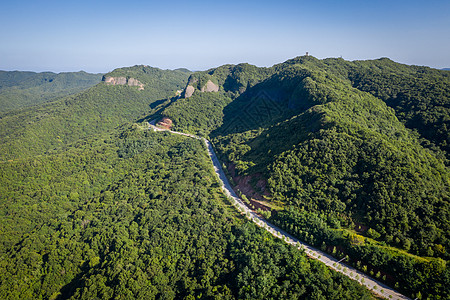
(99, 36)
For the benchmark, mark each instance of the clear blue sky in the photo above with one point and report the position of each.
(99, 36)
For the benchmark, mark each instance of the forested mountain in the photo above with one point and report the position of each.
(361, 147)
(352, 157)
(20, 89)
(139, 215)
(419, 95)
(35, 130)
(95, 207)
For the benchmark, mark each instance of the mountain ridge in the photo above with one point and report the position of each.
(22, 89)
(332, 137)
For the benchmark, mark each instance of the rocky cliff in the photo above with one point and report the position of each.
(210, 87)
(123, 81)
(193, 85)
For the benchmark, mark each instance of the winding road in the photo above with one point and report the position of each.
(373, 285)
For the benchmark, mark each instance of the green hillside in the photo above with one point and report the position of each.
(353, 156)
(360, 144)
(419, 95)
(22, 89)
(35, 130)
(139, 215)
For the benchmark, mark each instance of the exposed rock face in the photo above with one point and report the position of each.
(210, 87)
(122, 81)
(189, 91)
(134, 82)
(115, 80)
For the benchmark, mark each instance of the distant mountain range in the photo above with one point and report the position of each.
(20, 89)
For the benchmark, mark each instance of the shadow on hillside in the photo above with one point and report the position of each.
(157, 107)
(69, 289)
(260, 106)
(157, 103)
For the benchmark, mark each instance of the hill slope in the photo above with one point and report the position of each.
(32, 131)
(420, 96)
(137, 214)
(351, 154)
(341, 140)
(22, 89)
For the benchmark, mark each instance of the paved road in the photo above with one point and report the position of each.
(372, 284)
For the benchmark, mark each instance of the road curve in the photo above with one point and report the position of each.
(374, 285)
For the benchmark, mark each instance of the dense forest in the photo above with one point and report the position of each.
(361, 144)
(35, 130)
(353, 157)
(22, 89)
(419, 95)
(139, 215)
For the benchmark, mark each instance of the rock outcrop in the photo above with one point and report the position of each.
(189, 91)
(123, 81)
(208, 87)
